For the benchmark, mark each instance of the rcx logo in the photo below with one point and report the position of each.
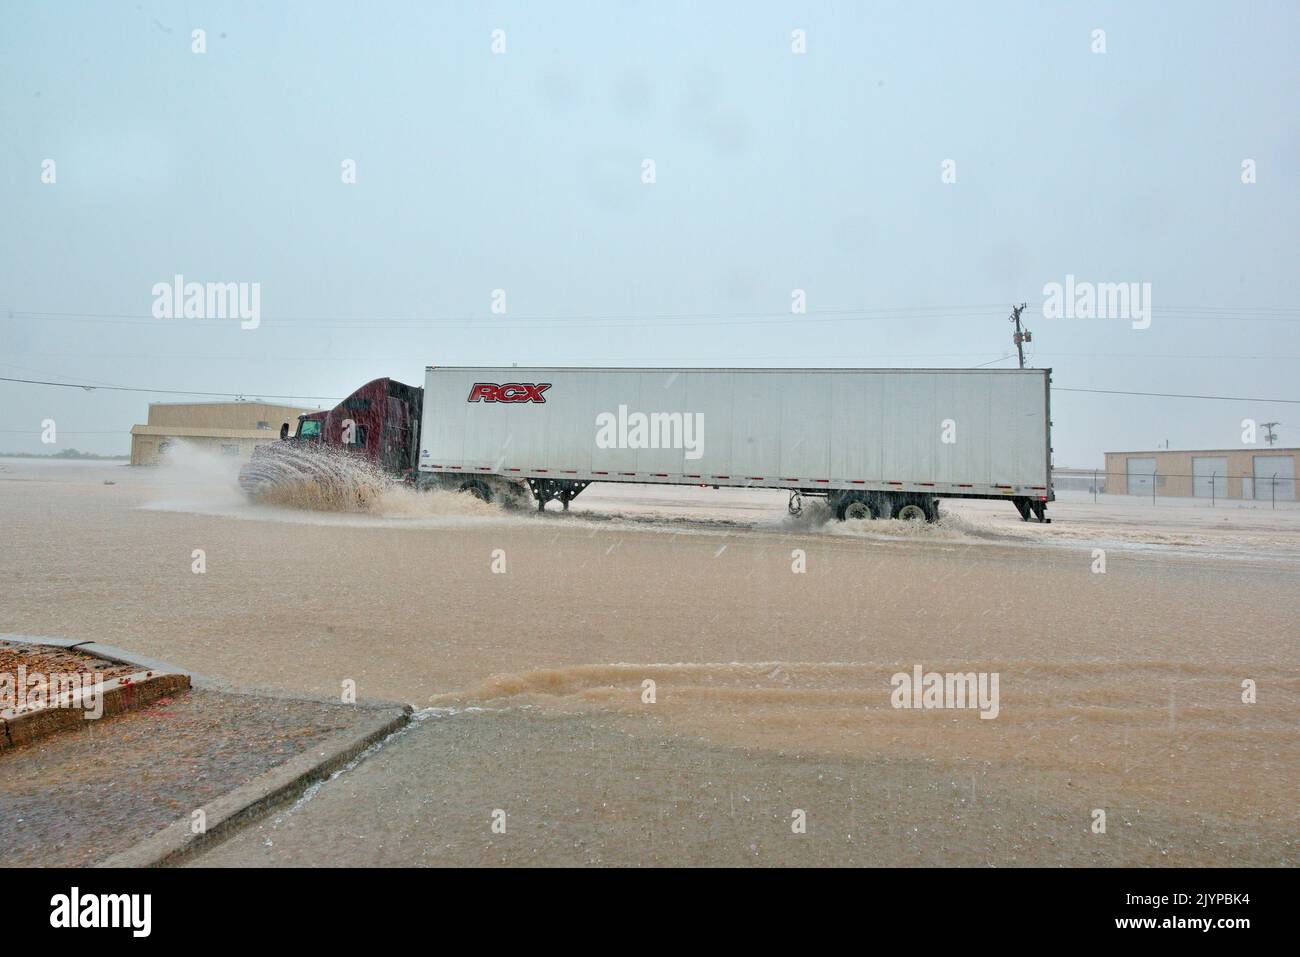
(510, 392)
(102, 910)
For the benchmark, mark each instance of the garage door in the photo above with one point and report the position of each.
(1139, 475)
(1209, 476)
(1281, 466)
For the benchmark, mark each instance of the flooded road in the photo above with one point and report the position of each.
(708, 629)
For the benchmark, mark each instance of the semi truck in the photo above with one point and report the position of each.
(873, 443)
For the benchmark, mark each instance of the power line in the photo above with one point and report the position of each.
(277, 357)
(1178, 395)
(123, 388)
(324, 398)
(886, 314)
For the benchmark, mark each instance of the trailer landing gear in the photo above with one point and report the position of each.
(565, 490)
(1025, 506)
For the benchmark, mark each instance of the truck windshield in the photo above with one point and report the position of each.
(309, 429)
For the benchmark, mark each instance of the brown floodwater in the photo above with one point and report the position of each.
(768, 639)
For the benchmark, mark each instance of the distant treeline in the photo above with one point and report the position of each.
(61, 454)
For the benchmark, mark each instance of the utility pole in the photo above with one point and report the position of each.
(1022, 335)
(1269, 435)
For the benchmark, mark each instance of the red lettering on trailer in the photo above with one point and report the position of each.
(510, 392)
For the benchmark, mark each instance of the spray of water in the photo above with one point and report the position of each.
(322, 485)
(319, 479)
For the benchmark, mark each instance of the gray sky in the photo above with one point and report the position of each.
(775, 171)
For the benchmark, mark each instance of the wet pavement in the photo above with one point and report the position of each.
(78, 797)
(607, 790)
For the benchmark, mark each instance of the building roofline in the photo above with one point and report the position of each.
(278, 405)
(204, 432)
(1265, 450)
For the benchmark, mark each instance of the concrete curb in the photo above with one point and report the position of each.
(228, 813)
(154, 680)
(120, 695)
(100, 650)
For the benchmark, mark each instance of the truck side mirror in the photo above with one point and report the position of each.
(284, 431)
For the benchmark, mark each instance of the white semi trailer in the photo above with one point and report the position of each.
(875, 443)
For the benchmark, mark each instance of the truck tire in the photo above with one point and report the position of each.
(855, 507)
(477, 488)
(857, 510)
(513, 495)
(913, 509)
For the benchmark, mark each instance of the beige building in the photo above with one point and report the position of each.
(1259, 472)
(226, 428)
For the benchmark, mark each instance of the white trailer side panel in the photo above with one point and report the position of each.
(822, 428)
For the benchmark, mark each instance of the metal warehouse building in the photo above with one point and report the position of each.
(1264, 475)
(227, 428)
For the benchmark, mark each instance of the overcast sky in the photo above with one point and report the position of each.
(774, 170)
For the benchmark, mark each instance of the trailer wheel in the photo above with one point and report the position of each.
(854, 507)
(478, 489)
(911, 512)
(857, 511)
